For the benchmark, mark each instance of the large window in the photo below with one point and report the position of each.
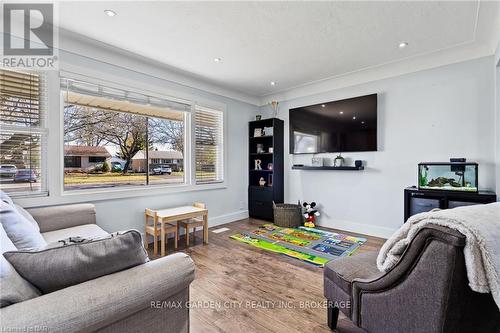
(209, 147)
(22, 132)
(114, 137)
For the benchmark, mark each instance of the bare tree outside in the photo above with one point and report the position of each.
(167, 132)
(94, 127)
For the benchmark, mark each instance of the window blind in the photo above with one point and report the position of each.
(119, 100)
(209, 147)
(22, 132)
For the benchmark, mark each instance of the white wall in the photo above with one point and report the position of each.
(118, 211)
(430, 115)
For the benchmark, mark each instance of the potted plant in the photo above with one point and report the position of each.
(338, 161)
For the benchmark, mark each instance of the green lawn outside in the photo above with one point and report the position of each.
(82, 178)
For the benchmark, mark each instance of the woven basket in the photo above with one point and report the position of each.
(287, 215)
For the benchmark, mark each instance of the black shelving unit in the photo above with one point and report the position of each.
(260, 198)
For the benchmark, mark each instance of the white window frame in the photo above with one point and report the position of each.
(154, 189)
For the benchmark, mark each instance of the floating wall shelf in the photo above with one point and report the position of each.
(343, 168)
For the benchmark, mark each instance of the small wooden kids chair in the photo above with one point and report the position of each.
(192, 223)
(155, 231)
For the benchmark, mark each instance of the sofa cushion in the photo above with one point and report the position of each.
(359, 266)
(21, 231)
(76, 260)
(64, 216)
(14, 288)
(84, 231)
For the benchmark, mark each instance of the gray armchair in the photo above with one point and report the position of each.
(427, 290)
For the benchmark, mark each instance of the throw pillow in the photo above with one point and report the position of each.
(77, 260)
(21, 232)
(27, 216)
(5, 198)
(14, 288)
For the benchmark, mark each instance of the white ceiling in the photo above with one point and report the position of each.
(292, 43)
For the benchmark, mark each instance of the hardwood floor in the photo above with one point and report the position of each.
(240, 288)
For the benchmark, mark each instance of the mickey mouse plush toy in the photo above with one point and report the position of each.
(310, 214)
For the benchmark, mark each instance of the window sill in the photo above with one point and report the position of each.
(94, 195)
(24, 195)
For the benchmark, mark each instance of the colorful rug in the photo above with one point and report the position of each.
(308, 244)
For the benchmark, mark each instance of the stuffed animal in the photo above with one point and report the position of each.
(310, 214)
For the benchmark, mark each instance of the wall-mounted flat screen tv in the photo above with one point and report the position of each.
(347, 125)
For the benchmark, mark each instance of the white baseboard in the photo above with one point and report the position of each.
(360, 228)
(227, 218)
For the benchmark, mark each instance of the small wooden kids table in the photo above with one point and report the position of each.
(162, 217)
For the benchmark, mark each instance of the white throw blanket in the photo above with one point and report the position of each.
(481, 226)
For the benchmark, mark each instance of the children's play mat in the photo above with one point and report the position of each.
(311, 245)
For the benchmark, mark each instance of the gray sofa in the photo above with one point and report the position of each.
(427, 290)
(134, 300)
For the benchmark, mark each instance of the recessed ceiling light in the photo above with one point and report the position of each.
(362, 122)
(110, 12)
(217, 59)
(403, 44)
(273, 83)
(323, 105)
(341, 112)
(354, 118)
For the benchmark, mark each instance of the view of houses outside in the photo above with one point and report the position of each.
(106, 148)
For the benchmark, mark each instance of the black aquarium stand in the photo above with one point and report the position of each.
(260, 198)
(418, 201)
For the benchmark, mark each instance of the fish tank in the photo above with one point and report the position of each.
(448, 176)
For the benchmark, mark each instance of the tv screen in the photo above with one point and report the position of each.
(348, 125)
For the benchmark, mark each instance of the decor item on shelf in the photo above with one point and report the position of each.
(258, 117)
(339, 161)
(327, 162)
(274, 106)
(270, 166)
(310, 214)
(270, 150)
(258, 165)
(260, 148)
(268, 131)
(262, 182)
(270, 180)
(317, 161)
(257, 132)
(448, 176)
(358, 163)
(287, 215)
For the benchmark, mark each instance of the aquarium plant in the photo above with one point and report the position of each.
(422, 176)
